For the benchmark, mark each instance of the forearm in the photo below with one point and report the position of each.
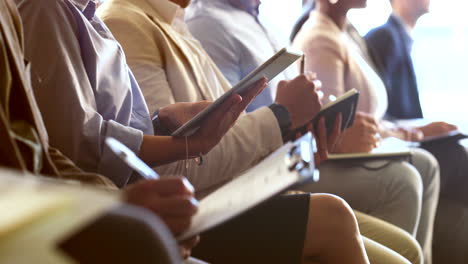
(160, 150)
(253, 137)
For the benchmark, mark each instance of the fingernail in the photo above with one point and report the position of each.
(194, 201)
(188, 185)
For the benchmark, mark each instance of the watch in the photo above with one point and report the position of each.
(159, 129)
(284, 119)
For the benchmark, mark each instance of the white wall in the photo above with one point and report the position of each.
(440, 50)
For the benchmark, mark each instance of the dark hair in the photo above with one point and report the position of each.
(306, 9)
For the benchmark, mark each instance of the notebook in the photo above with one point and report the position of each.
(390, 148)
(291, 164)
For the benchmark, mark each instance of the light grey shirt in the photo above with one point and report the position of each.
(237, 43)
(83, 86)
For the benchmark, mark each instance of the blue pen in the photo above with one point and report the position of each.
(131, 159)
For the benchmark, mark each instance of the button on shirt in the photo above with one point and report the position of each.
(83, 85)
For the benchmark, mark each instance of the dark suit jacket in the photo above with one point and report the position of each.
(390, 47)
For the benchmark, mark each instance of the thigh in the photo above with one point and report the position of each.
(453, 162)
(273, 232)
(390, 236)
(368, 186)
(379, 254)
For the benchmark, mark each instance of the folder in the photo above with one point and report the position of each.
(38, 213)
(289, 165)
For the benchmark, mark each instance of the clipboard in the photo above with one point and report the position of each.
(390, 149)
(289, 165)
(270, 69)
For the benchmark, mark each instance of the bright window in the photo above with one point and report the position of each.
(440, 50)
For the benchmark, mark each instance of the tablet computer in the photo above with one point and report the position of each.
(272, 67)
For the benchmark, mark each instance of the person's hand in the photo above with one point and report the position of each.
(187, 245)
(219, 122)
(326, 143)
(300, 98)
(175, 115)
(437, 129)
(407, 134)
(362, 136)
(171, 198)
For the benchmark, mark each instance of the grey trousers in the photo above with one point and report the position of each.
(451, 233)
(398, 192)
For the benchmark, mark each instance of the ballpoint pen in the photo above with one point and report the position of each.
(131, 159)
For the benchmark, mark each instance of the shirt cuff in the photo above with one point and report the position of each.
(111, 165)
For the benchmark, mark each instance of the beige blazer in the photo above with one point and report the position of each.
(339, 63)
(164, 64)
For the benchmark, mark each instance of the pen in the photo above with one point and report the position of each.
(131, 159)
(302, 66)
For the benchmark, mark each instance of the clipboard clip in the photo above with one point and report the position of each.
(301, 157)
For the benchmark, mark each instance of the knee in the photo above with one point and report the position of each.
(428, 167)
(409, 179)
(426, 164)
(333, 213)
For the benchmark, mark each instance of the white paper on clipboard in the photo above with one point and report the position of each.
(291, 164)
(270, 69)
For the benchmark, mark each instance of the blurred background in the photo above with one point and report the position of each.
(440, 51)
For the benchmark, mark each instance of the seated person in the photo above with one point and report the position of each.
(163, 62)
(239, 47)
(169, 63)
(342, 67)
(390, 46)
(301, 242)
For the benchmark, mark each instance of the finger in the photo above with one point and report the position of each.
(190, 243)
(176, 206)
(310, 75)
(166, 186)
(417, 135)
(226, 110)
(199, 106)
(317, 159)
(177, 225)
(322, 139)
(254, 90)
(336, 133)
(369, 118)
(187, 245)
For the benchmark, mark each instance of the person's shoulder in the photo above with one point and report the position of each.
(383, 35)
(318, 35)
(45, 5)
(384, 32)
(126, 15)
(211, 15)
(119, 8)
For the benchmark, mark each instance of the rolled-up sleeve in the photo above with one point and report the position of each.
(64, 92)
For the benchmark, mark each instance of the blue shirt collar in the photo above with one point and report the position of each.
(87, 7)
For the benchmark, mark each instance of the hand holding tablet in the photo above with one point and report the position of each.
(272, 67)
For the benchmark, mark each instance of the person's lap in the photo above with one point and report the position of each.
(389, 190)
(273, 232)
